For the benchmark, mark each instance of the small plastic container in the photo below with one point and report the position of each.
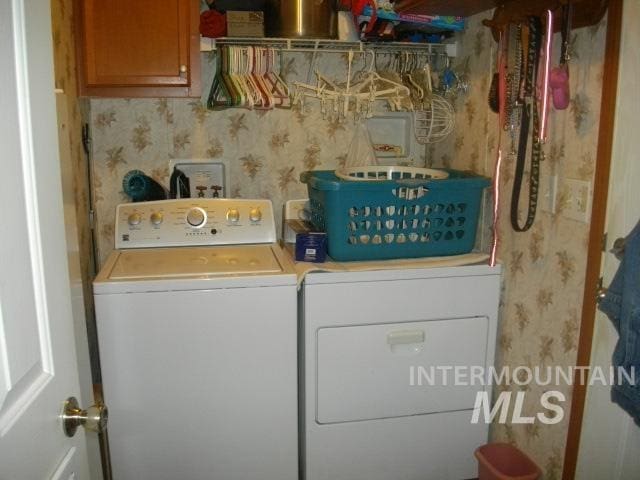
(501, 461)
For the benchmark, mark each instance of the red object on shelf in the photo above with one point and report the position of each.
(501, 461)
(357, 8)
(213, 24)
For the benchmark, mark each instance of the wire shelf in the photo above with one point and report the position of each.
(336, 46)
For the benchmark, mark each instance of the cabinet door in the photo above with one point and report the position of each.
(141, 48)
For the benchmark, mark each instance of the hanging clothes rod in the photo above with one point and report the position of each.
(336, 46)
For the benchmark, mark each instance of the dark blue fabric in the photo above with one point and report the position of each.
(622, 305)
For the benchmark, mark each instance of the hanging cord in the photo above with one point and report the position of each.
(567, 14)
(544, 78)
(501, 94)
(529, 110)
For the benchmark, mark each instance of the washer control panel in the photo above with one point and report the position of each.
(190, 221)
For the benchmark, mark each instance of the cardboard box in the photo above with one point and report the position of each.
(245, 24)
(310, 246)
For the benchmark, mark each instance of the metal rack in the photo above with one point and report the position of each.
(335, 46)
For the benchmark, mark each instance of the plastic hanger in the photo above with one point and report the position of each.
(277, 87)
(417, 93)
(360, 95)
(219, 95)
(227, 54)
(256, 76)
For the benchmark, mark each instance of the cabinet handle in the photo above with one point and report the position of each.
(183, 69)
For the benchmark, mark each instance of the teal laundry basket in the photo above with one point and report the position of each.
(395, 212)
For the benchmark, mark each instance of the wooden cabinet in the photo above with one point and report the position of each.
(145, 48)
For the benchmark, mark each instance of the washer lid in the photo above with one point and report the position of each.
(154, 263)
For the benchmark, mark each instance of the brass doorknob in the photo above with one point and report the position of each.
(601, 290)
(93, 419)
(183, 69)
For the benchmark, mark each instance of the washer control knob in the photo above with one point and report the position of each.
(255, 215)
(156, 218)
(233, 215)
(134, 219)
(196, 217)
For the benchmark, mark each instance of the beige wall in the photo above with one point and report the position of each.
(70, 125)
(544, 267)
(75, 188)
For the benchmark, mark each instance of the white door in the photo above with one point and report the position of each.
(610, 441)
(38, 369)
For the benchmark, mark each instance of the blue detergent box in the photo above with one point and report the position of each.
(311, 245)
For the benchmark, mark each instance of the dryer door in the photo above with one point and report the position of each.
(389, 370)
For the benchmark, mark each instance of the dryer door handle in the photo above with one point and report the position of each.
(402, 337)
(406, 342)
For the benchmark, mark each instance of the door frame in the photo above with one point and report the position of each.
(596, 230)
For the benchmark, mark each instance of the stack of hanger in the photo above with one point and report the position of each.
(434, 115)
(246, 77)
(337, 100)
(402, 67)
(442, 79)
(405, 83)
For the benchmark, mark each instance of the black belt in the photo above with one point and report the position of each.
(529, 113)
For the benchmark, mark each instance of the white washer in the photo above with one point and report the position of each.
(361, 332)
(196, 317)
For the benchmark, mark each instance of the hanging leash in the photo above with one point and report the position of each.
(530, 115)
(567, 16)
(559, 77)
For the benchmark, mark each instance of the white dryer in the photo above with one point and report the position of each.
(362, 332)
(196, 317)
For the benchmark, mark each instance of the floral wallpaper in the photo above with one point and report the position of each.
(70, 120)
(264, 151)
(543, 268)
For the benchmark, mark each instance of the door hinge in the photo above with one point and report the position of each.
(86, 139)
(601, 291)
(604, 242)
(92, 218)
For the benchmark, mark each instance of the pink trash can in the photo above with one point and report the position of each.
(501, 461)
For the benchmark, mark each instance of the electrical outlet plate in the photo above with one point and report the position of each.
(293, 209)
(206, 176)
(579, 197)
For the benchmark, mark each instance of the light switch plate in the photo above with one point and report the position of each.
(206, 177)
(579, 196)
